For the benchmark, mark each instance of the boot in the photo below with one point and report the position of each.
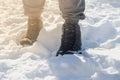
(70, 39)
(34, 27)
(78, 43)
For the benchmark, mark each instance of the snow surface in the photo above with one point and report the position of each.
(100, 38)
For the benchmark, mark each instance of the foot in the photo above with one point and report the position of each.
(26, 41)
(34, 27)
(70, 42)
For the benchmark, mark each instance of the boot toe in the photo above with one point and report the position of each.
(26, 41)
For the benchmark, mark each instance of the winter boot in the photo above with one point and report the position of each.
(34, 27)
(71, 38)
(68, 38)
(78, 43)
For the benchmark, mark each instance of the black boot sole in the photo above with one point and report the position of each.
(69, 52)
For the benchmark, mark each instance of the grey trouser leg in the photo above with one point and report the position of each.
(72, 9)
(33, 7)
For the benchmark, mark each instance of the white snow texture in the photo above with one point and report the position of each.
(100, 39)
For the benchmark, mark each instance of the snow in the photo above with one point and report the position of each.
(100, 38)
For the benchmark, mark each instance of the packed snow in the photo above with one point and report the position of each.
(100, 40)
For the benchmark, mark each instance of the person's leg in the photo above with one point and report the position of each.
(72, 12)
(72, 9)
(32, 9)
